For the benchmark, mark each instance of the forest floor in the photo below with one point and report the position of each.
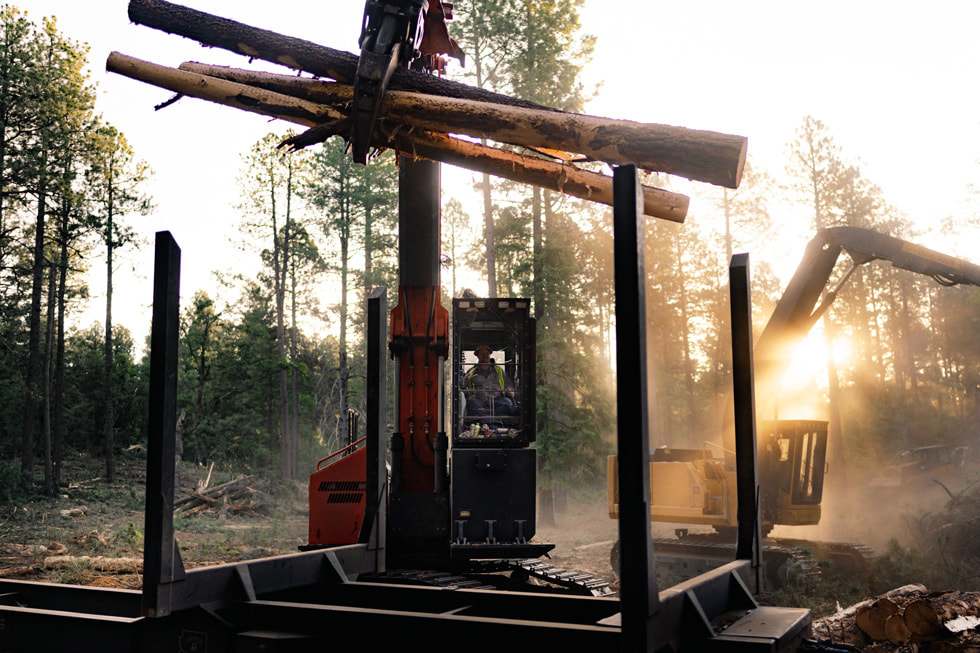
(91, 521)
(91, 518)
(61, 539)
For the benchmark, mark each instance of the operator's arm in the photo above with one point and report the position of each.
(508, 388)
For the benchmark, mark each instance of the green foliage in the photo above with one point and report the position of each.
(15, 486)
(898, 566)
(131, 537)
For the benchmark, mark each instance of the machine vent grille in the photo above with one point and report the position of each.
(345, 497)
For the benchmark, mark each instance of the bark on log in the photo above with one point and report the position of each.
(547, 174)
(291, 52)
(695, 154)
(100, 563)
(562, 178)
(841, 626)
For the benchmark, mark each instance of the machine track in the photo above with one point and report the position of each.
(490, 574)
(784, 559)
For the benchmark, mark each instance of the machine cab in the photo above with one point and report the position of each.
(492, 373)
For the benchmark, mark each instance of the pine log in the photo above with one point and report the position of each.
(563, 178)
(921, 619)
(871, 619)
(700, 155)
(291, 52)
(841, 626)
(547, 174)
(927, 617)
(16, 571)
(100, 563)
(896, 631)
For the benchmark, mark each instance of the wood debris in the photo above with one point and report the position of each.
(909, 618)
(233, 497)
(98, 563)
(421, 111)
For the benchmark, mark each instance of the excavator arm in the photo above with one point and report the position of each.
(807, 297)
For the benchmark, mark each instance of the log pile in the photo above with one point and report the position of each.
(233, 497)
(421, 113)
(909, 618)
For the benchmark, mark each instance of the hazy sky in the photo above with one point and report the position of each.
(894, 81)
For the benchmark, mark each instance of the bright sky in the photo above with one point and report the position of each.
(894, 81)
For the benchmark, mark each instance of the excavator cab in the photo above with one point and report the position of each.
(493, 479)
(504, 416)
(792, 462)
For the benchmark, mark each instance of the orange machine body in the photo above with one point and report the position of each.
(337, 493)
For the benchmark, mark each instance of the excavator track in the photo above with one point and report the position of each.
(784, 559)
(487, 574)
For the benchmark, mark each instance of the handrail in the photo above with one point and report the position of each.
(352, 445)
(708, 443)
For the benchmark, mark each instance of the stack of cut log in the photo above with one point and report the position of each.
(909, 618)
(233, 497)
(421, 111)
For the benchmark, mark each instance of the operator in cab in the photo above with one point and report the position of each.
(488, 389)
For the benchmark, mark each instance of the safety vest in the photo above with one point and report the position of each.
(497, 368)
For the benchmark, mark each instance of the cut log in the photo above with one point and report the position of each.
(100, 563)
(841, 626)
(896, 631)
(291, 52)
(553, 176)
(871, 619)
(921, 619)
(695, 154)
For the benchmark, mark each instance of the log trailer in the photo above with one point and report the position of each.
(696, 486)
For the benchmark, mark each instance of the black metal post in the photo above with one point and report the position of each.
(638, 582)
(746, 448)
(419, 187)
(373, 530)
(162, 565)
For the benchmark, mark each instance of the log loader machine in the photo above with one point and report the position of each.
(696, 486)
(461, 496)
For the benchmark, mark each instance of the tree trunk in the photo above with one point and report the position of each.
(835, 437)
(32, 391)
(294, 380)
(278, 265)
(58, 424)
(343, 424)
(109, 417)
(488, 236)
(49, 481)
(525, 169)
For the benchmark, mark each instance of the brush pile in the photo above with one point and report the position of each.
(234, 497)
(420, 113)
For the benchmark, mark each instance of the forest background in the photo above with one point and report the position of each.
(272, 366)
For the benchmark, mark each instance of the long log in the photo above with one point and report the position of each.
(298, 54)
(547, 174)
(704, 156)
(696, 154)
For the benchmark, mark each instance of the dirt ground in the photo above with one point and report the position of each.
(95, 520)
(66, 539)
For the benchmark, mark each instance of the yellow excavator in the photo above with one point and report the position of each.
(698, 486)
